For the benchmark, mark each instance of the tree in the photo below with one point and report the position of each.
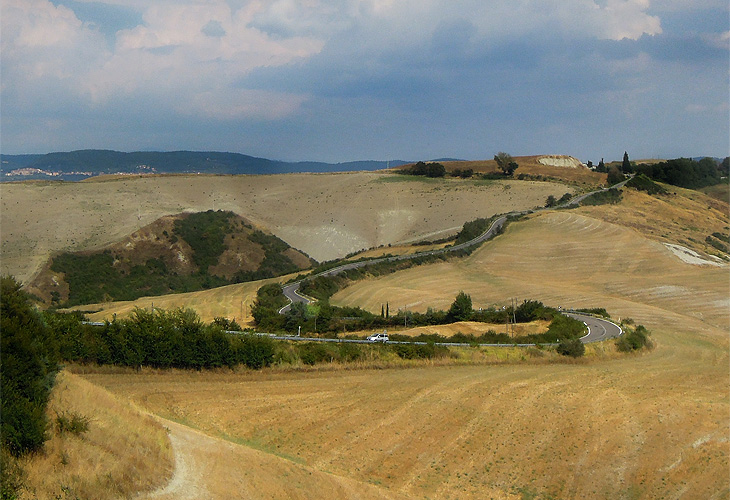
(29, 366)
(724, 167)
(550, 202)
(573, 348)
(601, 167)
(506, 163)
(461, 308)
(435, 170)
(614, 176)
(590, 164)
(626, 164)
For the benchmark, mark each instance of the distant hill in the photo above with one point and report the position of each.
(177, 253)
(77, 165)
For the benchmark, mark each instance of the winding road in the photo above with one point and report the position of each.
(598, 329)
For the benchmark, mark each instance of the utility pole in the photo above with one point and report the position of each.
(514, 318)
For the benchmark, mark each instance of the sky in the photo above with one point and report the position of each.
(342, 80)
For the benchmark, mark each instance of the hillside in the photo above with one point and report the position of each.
(124, 451)
(554, 167)
(179, 253)
(652, 425)
(82, 164)
(645, 426)
(326, 216)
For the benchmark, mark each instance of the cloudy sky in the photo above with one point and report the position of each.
(339, 80)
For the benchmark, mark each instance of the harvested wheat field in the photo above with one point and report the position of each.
(324, 215)
(232, 301)
(637, 426)
(123, 452)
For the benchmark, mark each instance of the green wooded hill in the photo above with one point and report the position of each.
(100, 161)
(179, 253)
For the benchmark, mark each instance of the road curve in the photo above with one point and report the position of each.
(598, 329)
(291, 290)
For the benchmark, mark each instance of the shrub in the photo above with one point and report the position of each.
(597, 311)
(642, 183)
(573, 348)
(608, 197)
(471, 230)
(254, 351)
(415, 351)
(312, 353)
(634, 340)
(205, 233)
(564, 327)
(72, 422)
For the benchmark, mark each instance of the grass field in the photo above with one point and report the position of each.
(638, 426)
(123, 452)
(325, 215)
(232, 302)
(650, 425)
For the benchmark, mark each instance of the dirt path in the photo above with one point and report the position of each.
(208, 468)
(190, 448)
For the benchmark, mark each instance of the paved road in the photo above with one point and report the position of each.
(598, 329)
(291, 291)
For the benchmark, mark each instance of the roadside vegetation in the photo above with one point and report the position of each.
(323, 287)
(643, 183)
(609, 197)
(634, 339)
(327, 320)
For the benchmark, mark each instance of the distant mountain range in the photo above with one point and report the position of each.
(79, 165)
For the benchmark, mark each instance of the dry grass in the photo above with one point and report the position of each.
(467, 328)
(685, 218)
(531, 166)
(232, 302)
(325, 215)
(653, 425)
(124, 452)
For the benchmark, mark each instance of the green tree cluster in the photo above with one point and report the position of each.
(634, 340)
(94, 277)
(642, 183)
(430, 169)
(159, 339)
(685, 172)
(29, 365)
(608, 197)
(506, 163)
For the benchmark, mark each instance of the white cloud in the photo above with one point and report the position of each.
(169, 58)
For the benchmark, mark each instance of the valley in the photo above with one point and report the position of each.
(514, 425)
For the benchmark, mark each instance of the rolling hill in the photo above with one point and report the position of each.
(77, 165)
(179, 253)
(648, 425)
(326, 216)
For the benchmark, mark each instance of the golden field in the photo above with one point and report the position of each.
(609, 426)
(124, 452)
(653, 425)
(325, 215)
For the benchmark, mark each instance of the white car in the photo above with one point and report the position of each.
(378, 337)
